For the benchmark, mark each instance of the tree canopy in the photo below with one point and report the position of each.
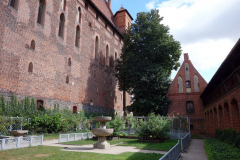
(149, 54)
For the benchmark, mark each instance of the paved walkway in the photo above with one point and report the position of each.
(89, 148)
(195, 151)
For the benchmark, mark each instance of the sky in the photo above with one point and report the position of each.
(206, 29)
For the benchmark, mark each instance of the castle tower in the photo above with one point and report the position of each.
(123, 19)
(184, 94)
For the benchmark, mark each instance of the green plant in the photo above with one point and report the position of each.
(155, 127)
(116, 124)
(230, 136)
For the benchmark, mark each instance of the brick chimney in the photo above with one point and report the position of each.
(109, 4)
(186, 56)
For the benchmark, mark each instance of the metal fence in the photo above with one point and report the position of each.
(20, 142)
(74, 136)
(185, 140)
(180, 126)
(10, 124)
(172, 154)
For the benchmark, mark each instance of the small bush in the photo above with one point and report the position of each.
(155, 127)
(229, 136)
(116, 124)
(217, 150)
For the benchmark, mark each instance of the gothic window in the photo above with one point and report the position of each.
(188, 84)
(189, 107)
(74, 109)
(196, 83)
(69, 62)
(61, 25)
(77, 36)
(180, 85)
(14, 3)
(41, 8)
(67, 80)
(32, 45)
(107, 51)
(30, 67)
(79, 15)
(96, 48)
(64, 5)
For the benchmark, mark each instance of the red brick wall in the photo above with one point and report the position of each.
(89, 79)
(178, 100)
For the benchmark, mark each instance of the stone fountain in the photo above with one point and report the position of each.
(102, 132)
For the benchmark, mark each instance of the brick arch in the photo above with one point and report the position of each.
(235, 114)
(220, 115)
(226, 111)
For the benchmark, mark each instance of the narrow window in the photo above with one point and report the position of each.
(30, 67)
(69, 62)
(180, 85)
(14, 3)
(189, 107)
(191, 127)
(106, 25)
(67, 80)
(86, 5)
(188, 84)
(64, 5)
(96, 48)
(32, 45)
(79, 15)
(40, 105)
(61, 25)
(41, 8)
(77, 36)
(74, 109)
(96, 16)
(115, 56)
(107, 50)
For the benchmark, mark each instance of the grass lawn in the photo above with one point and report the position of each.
(196, 137)
(167, 145)
(46, 152)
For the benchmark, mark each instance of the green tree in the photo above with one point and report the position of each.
(149, 54)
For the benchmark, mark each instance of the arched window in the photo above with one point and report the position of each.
(14, 3)
(79, 15)
(107, 51)
(32, 45)
(189, 107)
(96, 48)
(74, 109)
(69, 62)
(67, 80)
(41, 14)
(64, 5)
(61, 25)
(180, 85)
(77, 36)
(196, 83)
(30, 67)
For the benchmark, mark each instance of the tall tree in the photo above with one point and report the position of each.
(149, 54)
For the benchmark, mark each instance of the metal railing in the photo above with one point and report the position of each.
(185, 140)
(20, 142)
(172, 154)
(74, 136)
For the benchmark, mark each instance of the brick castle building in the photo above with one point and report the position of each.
(209, 106)
(184, 94)
(62, 52)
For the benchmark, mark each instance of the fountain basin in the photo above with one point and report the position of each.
(102, 131)
(17, 133)
(102, 119)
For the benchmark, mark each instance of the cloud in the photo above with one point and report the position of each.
(151, 5)
(206, 29)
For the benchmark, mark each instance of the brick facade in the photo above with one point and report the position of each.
(90, 78)
(186, 88)
(221, 97)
